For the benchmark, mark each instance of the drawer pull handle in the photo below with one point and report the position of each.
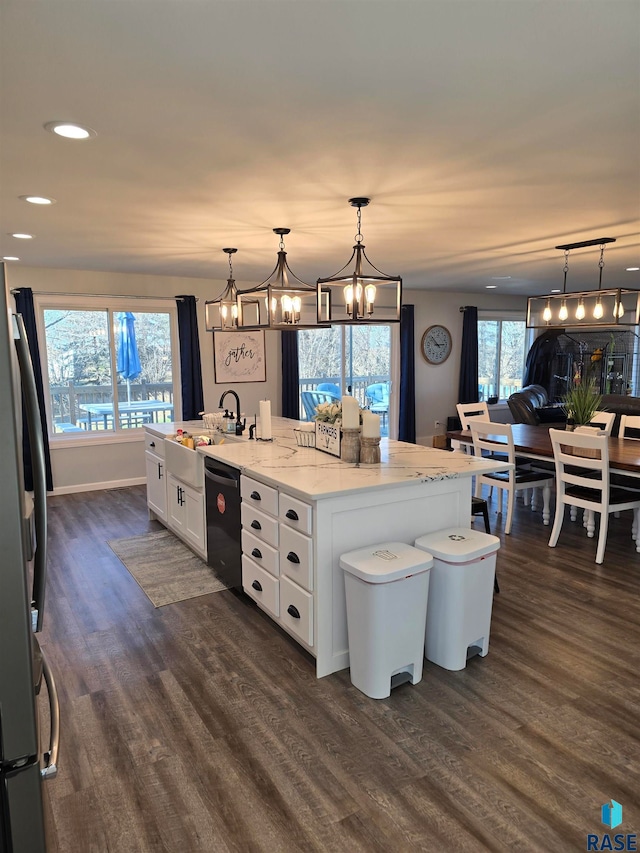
(152, 444)
(292, 514)
(256, 524)
(293, 557)
(293, 611)
(257, 554)
(257, 585)
(255, 496)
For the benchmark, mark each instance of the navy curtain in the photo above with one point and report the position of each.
(24, 306)
(290, 375)
(407, 418)
(190, 364)
(468, 387)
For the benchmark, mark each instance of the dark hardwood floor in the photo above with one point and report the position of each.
(199, 727)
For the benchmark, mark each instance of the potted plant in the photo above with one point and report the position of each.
(581, 402)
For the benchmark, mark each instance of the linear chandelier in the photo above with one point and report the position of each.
(282, 301)
(363, 296)
(221, 314)
(586, 308)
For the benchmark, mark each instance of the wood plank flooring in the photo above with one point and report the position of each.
(200, 727)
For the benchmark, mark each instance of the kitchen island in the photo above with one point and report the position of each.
(302, 509)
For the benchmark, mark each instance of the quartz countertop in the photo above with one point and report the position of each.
(312, 474)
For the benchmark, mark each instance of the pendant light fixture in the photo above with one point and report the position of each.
(221, 314)
(587, 308)
(363, 295)
(282, 301)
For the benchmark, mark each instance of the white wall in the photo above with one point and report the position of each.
(437, 385)
(122, 463)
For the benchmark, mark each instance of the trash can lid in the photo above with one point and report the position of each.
(458, 544)
(387, 562)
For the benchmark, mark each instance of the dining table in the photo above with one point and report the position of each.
(131, 413)
(534, 442)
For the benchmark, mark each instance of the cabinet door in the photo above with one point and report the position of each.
(194, 527)
(156, 485)
(175, 504)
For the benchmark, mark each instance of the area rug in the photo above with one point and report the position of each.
(165, 569)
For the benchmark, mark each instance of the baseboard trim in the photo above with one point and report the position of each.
(98, 487)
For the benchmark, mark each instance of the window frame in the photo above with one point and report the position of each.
(506, 316)
(112, 305)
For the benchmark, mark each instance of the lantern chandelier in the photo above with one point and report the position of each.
(282, 301)
(587, 308)
(363, 296)
(221, 314)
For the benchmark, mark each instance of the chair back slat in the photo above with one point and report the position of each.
(629, 426)
(490, 438)
(472, 411)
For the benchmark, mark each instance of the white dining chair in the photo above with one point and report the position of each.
(603, 421)
(490, 439)
(582, 480)
(629, 426)
(468, 412)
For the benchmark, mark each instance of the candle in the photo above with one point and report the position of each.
(265, 419)
(370, 425)
(350, 413)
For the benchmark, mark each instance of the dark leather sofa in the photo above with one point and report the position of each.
(531, 406)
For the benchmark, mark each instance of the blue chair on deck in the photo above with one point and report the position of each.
(310, 400)
(330, 388)
(377, 396)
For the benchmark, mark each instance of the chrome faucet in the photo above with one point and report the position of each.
(237, 402)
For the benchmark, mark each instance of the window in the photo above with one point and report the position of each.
(501, 354)
(347, 359)
(107, 370)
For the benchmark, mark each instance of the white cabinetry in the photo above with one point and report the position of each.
(156, 479)
(175, 491)
(185, 513)
(277, 558)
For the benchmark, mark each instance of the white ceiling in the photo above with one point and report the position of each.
(485, 133)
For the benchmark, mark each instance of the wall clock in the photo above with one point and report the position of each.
(436, 344)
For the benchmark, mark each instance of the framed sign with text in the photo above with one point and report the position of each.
(239, 357)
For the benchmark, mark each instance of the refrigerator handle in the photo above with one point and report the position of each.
(49, 760)
(36, 442)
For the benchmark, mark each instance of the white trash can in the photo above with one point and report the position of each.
(386, 589)
(460, 594)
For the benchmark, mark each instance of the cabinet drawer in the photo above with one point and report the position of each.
(261, 525)
(295, 513)
(258, 495)
(296, 610)
(296, 556)
(261, 586)
(154, 444)
(261, 553)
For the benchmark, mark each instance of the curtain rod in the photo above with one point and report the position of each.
(99, 295)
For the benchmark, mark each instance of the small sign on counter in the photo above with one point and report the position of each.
(328, 437)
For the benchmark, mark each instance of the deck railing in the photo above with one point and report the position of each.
(67, 400)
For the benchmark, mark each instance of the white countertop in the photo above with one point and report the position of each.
(313, 475)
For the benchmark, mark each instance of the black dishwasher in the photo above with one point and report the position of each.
(222, 492)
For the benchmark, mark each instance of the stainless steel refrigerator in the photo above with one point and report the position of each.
(23, 566)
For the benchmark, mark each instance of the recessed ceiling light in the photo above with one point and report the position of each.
(10, 258)
(22, 236)
(633, 269)
(70, 130)
(491, 286)
(499, 277)
(37, 199)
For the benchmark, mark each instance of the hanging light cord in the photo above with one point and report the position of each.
(230, 267)
(281, 243)
(565, 270)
